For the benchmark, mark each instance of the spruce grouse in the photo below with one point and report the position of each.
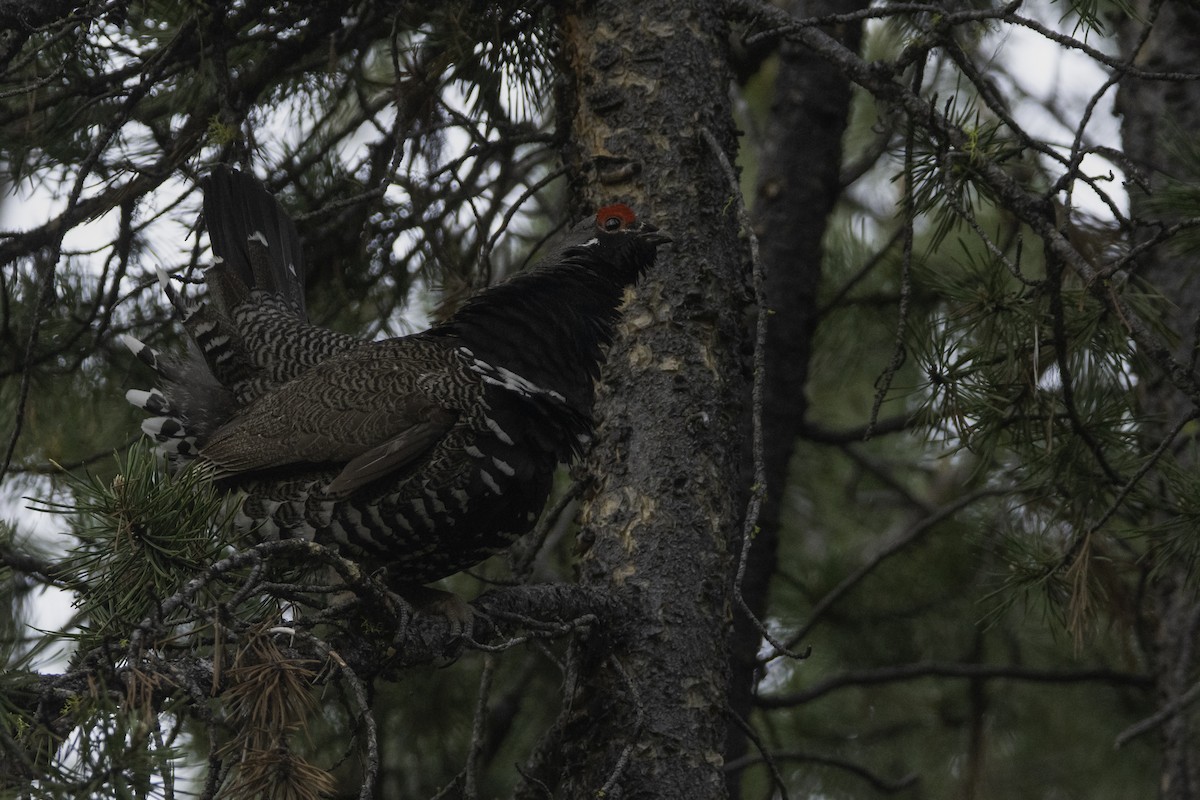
(426, 453)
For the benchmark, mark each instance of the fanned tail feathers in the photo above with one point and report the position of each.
(249, 335)
(175, 428)
(255, 241)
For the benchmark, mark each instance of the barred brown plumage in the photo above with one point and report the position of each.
(426, 452)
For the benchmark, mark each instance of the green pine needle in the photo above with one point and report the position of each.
(140, 538)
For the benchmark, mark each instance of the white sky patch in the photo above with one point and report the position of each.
(50, 609)
(1041, 77)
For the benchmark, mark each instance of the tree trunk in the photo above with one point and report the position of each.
(646, 713)
(799, 184)
(1155, 113)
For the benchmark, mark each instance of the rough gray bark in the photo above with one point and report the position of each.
(646, 714)
(1155, 113)
(799, 184)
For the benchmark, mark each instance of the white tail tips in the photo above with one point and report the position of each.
(172, 437)
(152, 401)
(133, 344)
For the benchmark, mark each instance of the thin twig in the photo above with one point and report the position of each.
(877, 782)
(639, 720)
(758, 486)
(485, 257)
(902, 673)
(763, 753)
(913, 533)
(910, 213)
(1077, 543)
(1173, 708)
(478, 728)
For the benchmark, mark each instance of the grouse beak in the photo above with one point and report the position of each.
(653, 235)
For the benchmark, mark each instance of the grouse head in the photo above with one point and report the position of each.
(618, 244)
(585, 272)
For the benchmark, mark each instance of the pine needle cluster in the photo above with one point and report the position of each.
(140, 537)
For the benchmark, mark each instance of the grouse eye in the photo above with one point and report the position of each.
(615, 217)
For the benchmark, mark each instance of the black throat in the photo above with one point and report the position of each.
(548, 325)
